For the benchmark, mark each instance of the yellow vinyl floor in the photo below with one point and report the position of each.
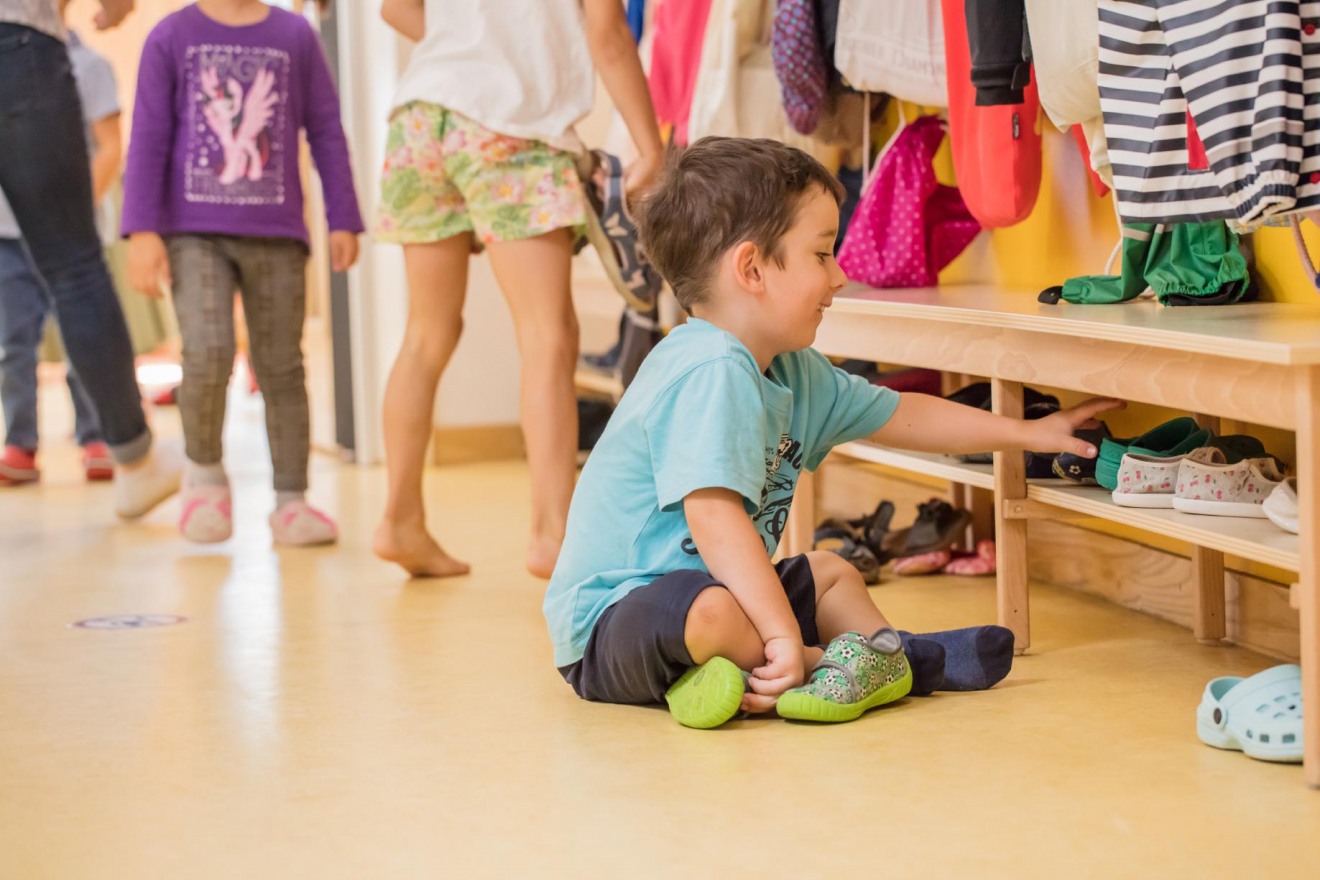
(319, 716)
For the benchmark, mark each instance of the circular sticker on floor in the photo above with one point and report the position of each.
(129, 621)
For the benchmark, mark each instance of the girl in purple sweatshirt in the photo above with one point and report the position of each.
(213, 204)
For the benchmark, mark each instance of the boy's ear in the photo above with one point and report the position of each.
(748, 266)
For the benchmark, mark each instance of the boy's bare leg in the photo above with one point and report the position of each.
(842, 602)
(437, 285)
(717, 626)
(534, 274)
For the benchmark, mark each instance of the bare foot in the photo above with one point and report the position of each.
(542, 554)
(415, 550)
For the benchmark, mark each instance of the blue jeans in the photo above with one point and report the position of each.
(24, 304)
(47, 180)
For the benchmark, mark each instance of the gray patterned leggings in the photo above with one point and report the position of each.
(269, 272)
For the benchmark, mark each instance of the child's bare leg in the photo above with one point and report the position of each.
(437, 284)
(842, 603)
(534, 274)
(717, 626)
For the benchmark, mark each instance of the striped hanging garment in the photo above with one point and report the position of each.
(1211, 108)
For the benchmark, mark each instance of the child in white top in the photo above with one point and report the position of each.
(480, 154)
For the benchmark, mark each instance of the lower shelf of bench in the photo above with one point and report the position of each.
(1256, 539)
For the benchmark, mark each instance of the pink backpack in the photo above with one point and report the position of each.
(908, 226)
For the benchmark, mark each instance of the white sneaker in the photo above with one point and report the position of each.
(140, 487)
(1216, 488)
(1281, 505)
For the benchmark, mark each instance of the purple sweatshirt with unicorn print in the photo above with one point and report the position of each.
(216, 121)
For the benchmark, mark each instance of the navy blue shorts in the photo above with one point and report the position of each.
(637, 649)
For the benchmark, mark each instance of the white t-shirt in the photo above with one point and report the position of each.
(515, 67)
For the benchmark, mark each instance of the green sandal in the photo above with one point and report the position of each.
(856, 674)
(708, 695)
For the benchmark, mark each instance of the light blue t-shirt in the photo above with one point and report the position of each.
(698, 415)
(100, 98)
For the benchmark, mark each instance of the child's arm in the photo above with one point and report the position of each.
(147, 170)
(735, 555)
(932, 424)
(105, 159)
(408, 17)
(615, 55)
(325, 135)
(112, 13)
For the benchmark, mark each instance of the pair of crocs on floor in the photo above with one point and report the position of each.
(1260, 715)
(855, 674)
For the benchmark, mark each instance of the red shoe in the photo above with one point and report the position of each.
(17, 466)
(97, 463)
(166, 396)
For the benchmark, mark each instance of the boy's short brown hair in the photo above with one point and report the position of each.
(717, 193)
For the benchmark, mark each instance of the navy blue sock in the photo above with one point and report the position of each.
(975, 658)
(926, 658)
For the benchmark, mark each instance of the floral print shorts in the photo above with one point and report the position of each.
(445, 175)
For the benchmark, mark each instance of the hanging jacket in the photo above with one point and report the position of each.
(1001, 55)
(1207, 108)
(1065, 55)
(896, 47)
(996, 150)
(678, 29)
(800, 63)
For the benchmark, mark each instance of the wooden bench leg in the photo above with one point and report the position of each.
(1011, 534)
(1208, 581)
(1308, 576)
(801, 525)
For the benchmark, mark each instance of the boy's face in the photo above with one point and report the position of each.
(800, 292)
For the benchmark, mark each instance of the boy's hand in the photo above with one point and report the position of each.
(1054, 433)
(343, 250)
(783, 669)
(148, 264)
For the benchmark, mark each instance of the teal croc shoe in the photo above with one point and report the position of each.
(856, 674)
(1260, 715)
(1177, 437)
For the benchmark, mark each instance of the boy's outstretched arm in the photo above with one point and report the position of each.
(408, 17)
(735, 555)
(932, 424)
(615, 55)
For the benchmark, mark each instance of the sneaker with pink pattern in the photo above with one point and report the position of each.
(207, 515)
(1151, 480)
(298, 524)
(1216, 488)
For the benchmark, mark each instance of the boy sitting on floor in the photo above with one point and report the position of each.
(664, 588)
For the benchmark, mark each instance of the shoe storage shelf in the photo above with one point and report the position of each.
(592, 384)
(1257, 363)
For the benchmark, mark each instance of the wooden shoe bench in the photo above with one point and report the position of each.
(1257, 363)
